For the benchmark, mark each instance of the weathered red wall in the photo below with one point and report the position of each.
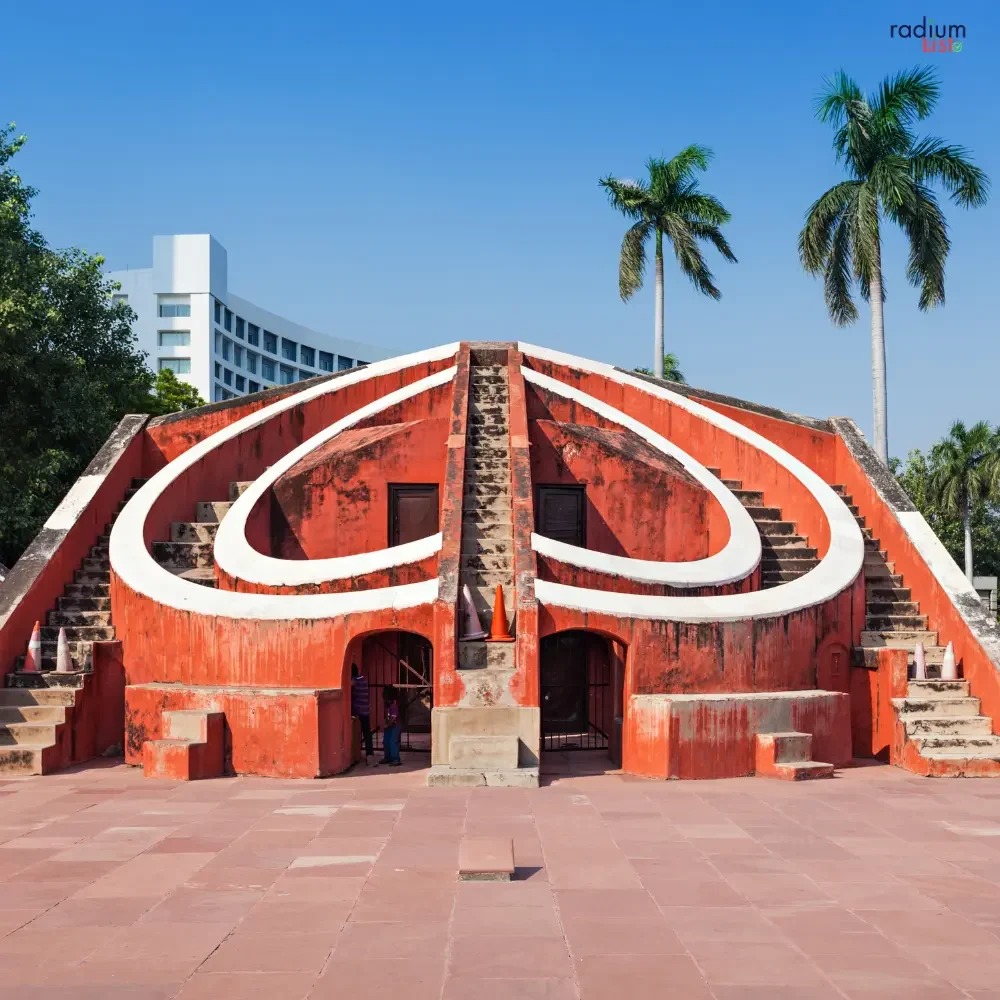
(873, 719)
(337, 502)
(639, 504)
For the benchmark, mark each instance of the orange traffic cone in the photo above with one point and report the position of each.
(33, 661)
(498, 627)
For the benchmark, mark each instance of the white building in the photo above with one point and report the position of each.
(223, 345)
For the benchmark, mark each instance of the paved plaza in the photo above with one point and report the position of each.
(874, 884)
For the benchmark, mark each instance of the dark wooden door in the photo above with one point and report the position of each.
(413, 513)
(560, 513)
(576, 696)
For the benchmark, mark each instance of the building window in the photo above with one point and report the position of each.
(308, 356)
(251, 365)
(227, 376)
(303, 375)
(174, 338)
(218, 341)
(218, 370)
(226, 394)
(325, 361)
(270, 342)
(254, 386)
(267, 369)
(287, 375)
(227, 345)
(237, 355)
(253, 334)
(363, 364)
(228, 324)
(344, 363)
(241, 383)
(169, 309)
(216, 393)
(288, 349)
(240, 327)
(218, 311)
(179, 366)
(115, 299)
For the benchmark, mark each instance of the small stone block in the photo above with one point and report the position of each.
(486, 859)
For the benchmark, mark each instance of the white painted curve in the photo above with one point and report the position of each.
(136, 567)
(239, 559)
(737, 559)
(836, 571)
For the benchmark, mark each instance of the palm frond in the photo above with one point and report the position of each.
(689, 255)
(700, 207)
(627, 196)
(865, 236)
(814, 240)
(837, 274)
(907, 97)
(712, 233)
(932, 160)
(632, 261)
(927, 232)
(679, 168)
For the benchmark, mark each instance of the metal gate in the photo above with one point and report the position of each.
(405, 661)
(576, 693)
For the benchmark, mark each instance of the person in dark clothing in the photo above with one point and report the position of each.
(361, 707)
(393, 728)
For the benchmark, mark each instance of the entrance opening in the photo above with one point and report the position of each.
(405, 660)
(413, 512)
(560, 513)
(581, 675)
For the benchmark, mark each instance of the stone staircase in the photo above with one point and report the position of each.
(483, 743)
(788, 756)
(892, 619)
(785, 555)
(943, 722)
(36, 708)
(189, 552)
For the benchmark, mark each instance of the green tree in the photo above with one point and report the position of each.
(668, 204)
(890, 173)
(171, 394)
(965, 472)
(69, 364)
(671, 369)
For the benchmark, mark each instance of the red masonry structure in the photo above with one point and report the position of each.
(695, 585)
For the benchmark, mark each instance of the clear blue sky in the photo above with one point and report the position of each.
(413, 173)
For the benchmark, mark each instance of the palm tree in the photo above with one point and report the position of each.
(890, 171)
(668, 204)
(671, 369)
(965, 469)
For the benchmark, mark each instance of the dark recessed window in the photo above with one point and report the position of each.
(325, 361)
(308, 356)
(287, 375)
(289, 349)
(241, 383)
(227, 376)
(251, 365)
(253, 334)
(270, 342)
(228, 324)
(267, 369)
(240, 327)
(344, 363)
(253, 386)
(218, 311)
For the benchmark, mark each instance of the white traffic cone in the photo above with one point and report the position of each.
(472, 627)
(64, 663)
(919, 663)
(33, 661)
(949, 669)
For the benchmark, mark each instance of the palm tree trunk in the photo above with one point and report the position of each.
(967, 525)
(658, 317)
(879, 394)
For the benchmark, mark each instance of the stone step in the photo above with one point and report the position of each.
(875, 564)
(771, 529)
(86, 590)
(792, 561)
(98, 566)
(941, 725)
(487, 378)
(482, 432)
(498, 504)
(805, 770)
(889, 623)
(759, 513)
(957, 756)
(75, 633)
(211, 511)
(954, 744)
(483, 562)
(774, 578)
(938, 688)
(485, 465)
(89, 577)
(70, 605)
(477, 654)
(936, 706)
(487, 515)
(17, 696)
(777, 542)
(881, 584)
(204, 575)
(193, 531)
(492, 753)
(69, 619)
(484, 394)
(902, 639)
(482, 598)
(878, 594)
(100, 552)
(879, 608)
(491, 476)
(486, 417)
(36, 734)
(749, 498)
(27, 760)
(472, 530)
(487, 546)
(236, 490)
(487, 407)
(488, 579)
(52, 714)
(183, 555)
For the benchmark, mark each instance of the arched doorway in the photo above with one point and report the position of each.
(405, 660)
(581, 676)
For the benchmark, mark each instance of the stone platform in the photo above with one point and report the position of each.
(875, 884)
